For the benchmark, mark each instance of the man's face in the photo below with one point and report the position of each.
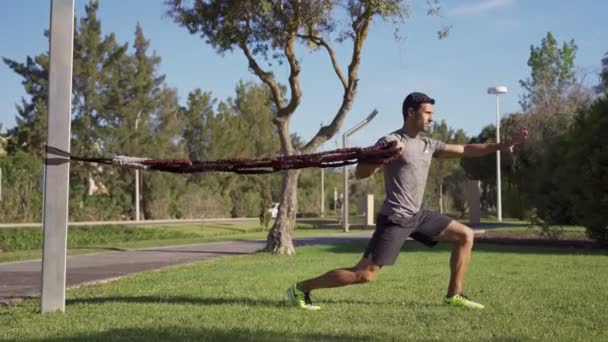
(423, 117)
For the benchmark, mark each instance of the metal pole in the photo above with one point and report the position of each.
(136, 194)
(322, 192)
(344, 144)
(498, 185)
(137, 178)
(335, 199)
(0, 185)
(345, 191)
(57, 166)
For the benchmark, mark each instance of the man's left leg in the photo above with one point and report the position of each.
(462, 237)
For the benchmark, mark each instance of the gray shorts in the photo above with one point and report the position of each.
(390, 234)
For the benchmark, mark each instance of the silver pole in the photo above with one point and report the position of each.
(345, 182)
(345, 191)
(335, 199)
(137, 177)
(498, 184)
(322, 192)
(136, 194)
(57, 166)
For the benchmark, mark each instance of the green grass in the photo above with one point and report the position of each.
(19, 239)
(558, 233)
(530, 294)
(26, 243)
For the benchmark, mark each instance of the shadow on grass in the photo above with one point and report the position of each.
(192, 251)
(228, 227)
(497, 225)
(178, 333)
(481, 246)
(111, 249)
(179, 300)
(182, 300)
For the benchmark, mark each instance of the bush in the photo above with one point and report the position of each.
(21, 198)
(16, 239)
(20, 239)
(588, 159)
(572, 182)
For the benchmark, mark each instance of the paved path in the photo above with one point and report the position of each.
(22, 279)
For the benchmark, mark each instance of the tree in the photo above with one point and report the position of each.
(198, 116)
(120, 105)
(602, 88)
(30, 133)
(21, 198)
(270, 30)
(484, 168)
(588, 158)
(552, 99)
(442, 168)
(96, 57)
(239, 127)
(552, 75)
(456, 188)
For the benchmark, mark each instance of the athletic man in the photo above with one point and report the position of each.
(401, 214)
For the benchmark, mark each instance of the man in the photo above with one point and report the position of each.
(401, 215)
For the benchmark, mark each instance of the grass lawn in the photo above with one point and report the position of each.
(530, 293)
(26, 243)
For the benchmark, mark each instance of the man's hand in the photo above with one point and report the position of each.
(515, 140)
(399, 146)
(365, 169)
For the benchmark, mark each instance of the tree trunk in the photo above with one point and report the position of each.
(279, 237)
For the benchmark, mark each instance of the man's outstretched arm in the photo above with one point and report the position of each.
(480, 150)
(366, 169)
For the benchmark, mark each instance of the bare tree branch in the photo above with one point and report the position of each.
(294, 79)
(265, 76)
(321, 42)
(361, 28)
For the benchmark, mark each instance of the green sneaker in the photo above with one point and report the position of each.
(463, 301)
(301, 299)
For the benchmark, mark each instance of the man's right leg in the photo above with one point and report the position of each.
(382, 249)
(365, 271)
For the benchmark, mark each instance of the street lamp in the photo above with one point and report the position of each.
(344, 144)
(322, 192)
(322, 205)
(498, 91)
(137, 177)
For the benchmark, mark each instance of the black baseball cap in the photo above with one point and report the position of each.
(414, 100)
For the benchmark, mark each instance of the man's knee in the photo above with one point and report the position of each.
(468, 236)
(367, 274)
(458, 233)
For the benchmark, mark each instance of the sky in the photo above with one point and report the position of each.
(488, 45)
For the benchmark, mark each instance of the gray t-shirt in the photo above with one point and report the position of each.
(405, 178)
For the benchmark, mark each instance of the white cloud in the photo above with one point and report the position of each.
(479, 8)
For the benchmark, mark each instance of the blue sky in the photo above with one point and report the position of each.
(488, 45)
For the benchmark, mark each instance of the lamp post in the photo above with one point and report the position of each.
(344, 145)
(322, 204)
(322, 192)
(498, 91)
(137, 177)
